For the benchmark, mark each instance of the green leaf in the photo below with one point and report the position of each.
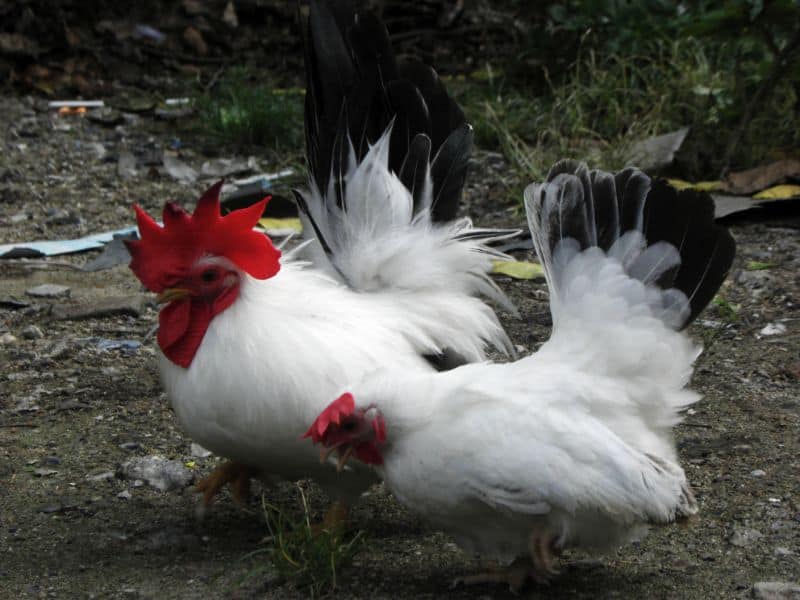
(518, 269)
(755, 265)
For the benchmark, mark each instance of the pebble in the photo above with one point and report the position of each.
(773, 329)
(745, 537)
(124, 495)
(776, 590)
(44, 472)
(198, 451)
(32, 332)
(130, 446)
(99, 309)
(104, 476)
(782, 551)
(758, 473)
(48, 290)
(159, 472)
(7, 339)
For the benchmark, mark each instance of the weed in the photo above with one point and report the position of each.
(242, 111)
(299, 553)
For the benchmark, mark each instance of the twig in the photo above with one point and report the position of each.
(766, 86)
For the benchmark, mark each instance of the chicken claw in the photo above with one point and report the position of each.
(514, 575)
(236, 474)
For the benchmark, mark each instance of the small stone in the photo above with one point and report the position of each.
(745, 537)
(104, 476)
(198, 451)
(157, 471)
(776, 590)
(44, 472)
(32, 332)
(48, 290)
(130, 446)
(99, 309)
(758, 473)
(782, 551)
(7, 339)
(773, 329)
(124, 495)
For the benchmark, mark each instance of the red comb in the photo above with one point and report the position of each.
(343, 406)
(163, 254)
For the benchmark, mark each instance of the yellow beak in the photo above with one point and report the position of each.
(170, 294)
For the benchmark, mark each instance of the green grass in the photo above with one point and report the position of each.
(604, 104)
(299, 554)
(241, 109)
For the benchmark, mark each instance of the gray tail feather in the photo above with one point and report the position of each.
(597, 208)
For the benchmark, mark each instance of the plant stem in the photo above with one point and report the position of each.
(767, 84)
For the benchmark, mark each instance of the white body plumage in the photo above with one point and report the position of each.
(272, 360)
(573, 443)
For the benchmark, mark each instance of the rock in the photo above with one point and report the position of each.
(776, 590)
(7, 339)
(60, 216)
(159, 472)
(743, 537)
(754, 279)
(130, 446)
(44, 472)
(126, 165)
(124, 495)
(782, 551)
(104, 476)
(758, 473)
(224, 167)
(32, 332)
(773, 329)
(178, 169)
(99, 309)
(198, 451)
(48, 290)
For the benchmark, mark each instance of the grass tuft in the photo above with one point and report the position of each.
(241, 110)
(308, 558)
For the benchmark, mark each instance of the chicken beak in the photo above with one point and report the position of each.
(171, 294)
(343, 457)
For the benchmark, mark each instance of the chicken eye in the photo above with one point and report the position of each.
(209, 275)
(348, 425)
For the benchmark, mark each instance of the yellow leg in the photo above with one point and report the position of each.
(335, 519)
(236, 474)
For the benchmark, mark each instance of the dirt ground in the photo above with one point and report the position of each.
(74, 406)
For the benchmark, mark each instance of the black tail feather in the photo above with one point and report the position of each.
(355, 90)
(596, 208)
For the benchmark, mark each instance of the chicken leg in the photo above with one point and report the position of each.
(543, 546)
(236, 474)
(334, 520)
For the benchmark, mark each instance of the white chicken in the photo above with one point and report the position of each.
(253, 344)
(571, 446)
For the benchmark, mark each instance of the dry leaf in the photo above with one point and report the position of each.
(779, 192)
(753, 180)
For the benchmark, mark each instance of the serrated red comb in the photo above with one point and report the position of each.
(163, 255)
(343, 406)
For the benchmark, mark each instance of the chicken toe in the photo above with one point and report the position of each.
(238, 475)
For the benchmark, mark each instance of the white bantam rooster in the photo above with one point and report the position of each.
(253, 344)
(573, 445)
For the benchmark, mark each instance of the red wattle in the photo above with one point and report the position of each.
(182, 325)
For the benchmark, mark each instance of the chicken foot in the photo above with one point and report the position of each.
(238, 475)
(539, 568)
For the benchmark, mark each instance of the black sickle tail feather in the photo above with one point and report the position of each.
(355, 90)
(608, 205)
